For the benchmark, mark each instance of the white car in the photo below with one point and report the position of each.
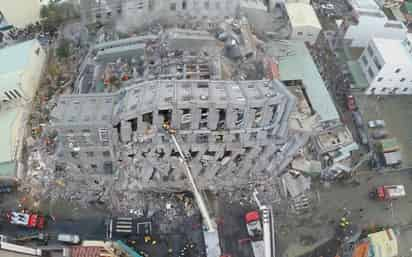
(376, 123)
(327, 6)
(68, 238)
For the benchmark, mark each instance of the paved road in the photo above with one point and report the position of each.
(232, 228)
(353, 198)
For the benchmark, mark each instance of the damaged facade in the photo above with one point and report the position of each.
(227, 129)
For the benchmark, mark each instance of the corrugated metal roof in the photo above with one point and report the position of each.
(8, 169)
(86, 251)
(9, 127)
(384, 243)
(13, 62)
(16, 57)
(299, 65)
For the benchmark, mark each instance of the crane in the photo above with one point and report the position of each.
(198, 197)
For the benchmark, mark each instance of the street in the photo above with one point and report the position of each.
(352, 198)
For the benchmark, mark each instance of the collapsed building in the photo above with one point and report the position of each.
(128, 15)
(232, 132)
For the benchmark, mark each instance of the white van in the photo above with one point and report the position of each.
(68, 238)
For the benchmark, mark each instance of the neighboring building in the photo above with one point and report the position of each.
(140, 12)
(406, 10)
(390, 3)
(225, 127)
(304, 22)
(20, 70)
(368, 21)
(20, 13)
(297, 68)
(136, 13)
(386, 64)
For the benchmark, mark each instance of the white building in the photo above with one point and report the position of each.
(304, 22)
(387, 65)
(21, 67)
(369, 21)
(20, 13)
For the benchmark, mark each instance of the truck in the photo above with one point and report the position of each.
(29, 220)
(253, 224)
(388, 192)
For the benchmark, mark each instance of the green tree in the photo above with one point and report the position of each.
(63, 50)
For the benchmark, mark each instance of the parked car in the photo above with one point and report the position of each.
(376, 123)
(350, 103)
(357, 118)
(379, 134)
(68, 238)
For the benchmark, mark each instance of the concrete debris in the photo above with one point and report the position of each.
(296, 185)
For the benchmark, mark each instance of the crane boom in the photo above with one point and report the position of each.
(198, 197)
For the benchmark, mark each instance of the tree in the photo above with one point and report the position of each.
(63, 50)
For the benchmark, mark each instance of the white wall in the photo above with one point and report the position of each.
(31, 76)
(20, 12)
(390, 77)
(369, 27)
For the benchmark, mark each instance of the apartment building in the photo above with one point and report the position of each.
(386, 64)
(226, 128)
(20, 13)
(368, 21)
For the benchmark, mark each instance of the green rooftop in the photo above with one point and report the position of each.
(13, 61)
(8, 169)
(15, 58)
(407, 7)
(299, 65)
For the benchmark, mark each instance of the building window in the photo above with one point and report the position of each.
(184, 5)
(186, 119)
(364, 60)
(236, 138)
(221, 118)
(370, 72)
(377, 64)
(258, 117)
(379, 79)
(402, 79)
(300, 33)
(202, 139)
(204, 115)
(90, 154)
(75, 155)
(370, 51)
(106, 154)
(239, 114)
(173, 7)
(253, 136)
(405, 89)
(397, 70)
(219, 138)
(217, 5)
(207, 5)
